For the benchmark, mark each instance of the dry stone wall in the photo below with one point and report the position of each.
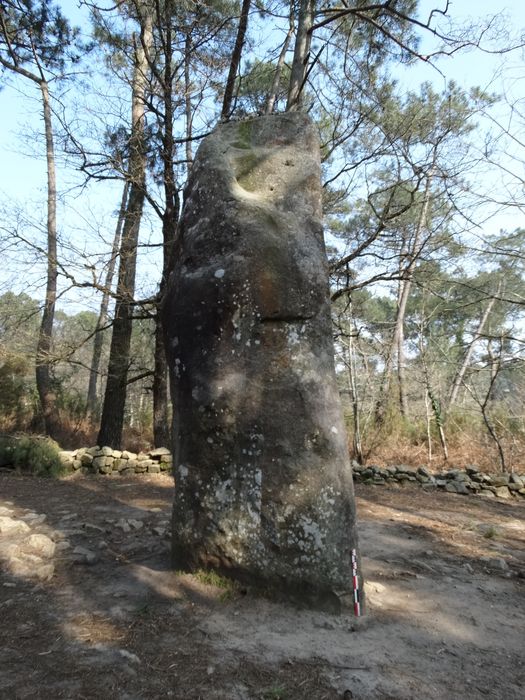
(105, 460)
(466, 482)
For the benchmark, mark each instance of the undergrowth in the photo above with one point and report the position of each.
(33, 455)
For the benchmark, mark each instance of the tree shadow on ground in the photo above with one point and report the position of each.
(129, 627)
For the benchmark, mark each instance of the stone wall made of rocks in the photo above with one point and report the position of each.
(105, 460)
(462, 481)
(471, 480)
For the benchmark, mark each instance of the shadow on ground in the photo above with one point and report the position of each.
(445, 606)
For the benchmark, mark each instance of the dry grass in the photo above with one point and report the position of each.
(463, 449)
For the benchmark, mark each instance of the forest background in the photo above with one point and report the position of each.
(421, 120)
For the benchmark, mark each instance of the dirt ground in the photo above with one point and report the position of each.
(446, 615)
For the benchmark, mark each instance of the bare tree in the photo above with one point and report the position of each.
(34, 42)
(112, 419)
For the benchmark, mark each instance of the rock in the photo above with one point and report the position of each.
(159, 452)
(451, 487)
(403, 476)
(123, 525)
(82, 555)
(31, 566)
(66, 457)
(500, 479)
(472, 469)
(106, 451)
(135, 524)
(516, 480)
(487, 493)
(452, 473)
(461, 488)
(41, 545)
(9, 549)
(6, 511)
(423, 471)
(107, 467)
(129, 655)
(99, 463)
(441, 483)
(86, 459)
(34, 518)
(502, 492)
(128, 455)
(404, 469)
(12, 526)
(496, 563)
(267, 479)
(153, 469)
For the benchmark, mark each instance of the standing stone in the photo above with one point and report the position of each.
(263, 480)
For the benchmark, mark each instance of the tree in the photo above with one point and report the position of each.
(36, 43)
(91, 400)
(112, 418)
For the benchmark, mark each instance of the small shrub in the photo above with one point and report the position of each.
(209, 577)
(490, 533)
(37, 456)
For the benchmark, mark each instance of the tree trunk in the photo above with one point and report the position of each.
(235, 60)
(188, 108)
(43, 353)
(278, 70)
(161, 422)
(91, 402)
(112, 421)
(458, 380)
(495, 367)
(352, 385)
(301, 55)
(397, 348)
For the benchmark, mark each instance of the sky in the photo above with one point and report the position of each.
(22, 171)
